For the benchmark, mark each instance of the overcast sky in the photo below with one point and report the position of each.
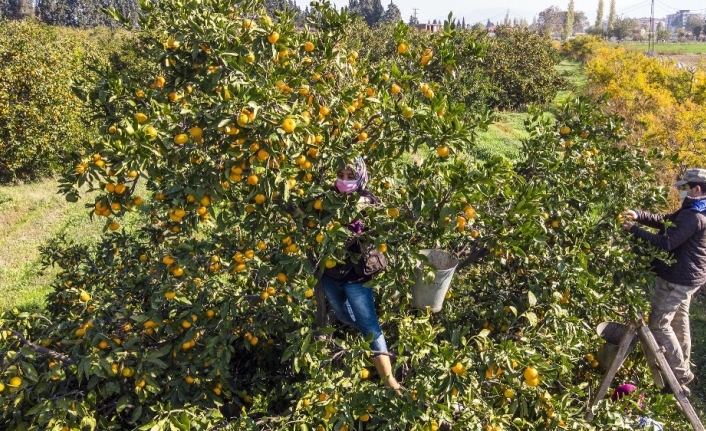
(475, 11)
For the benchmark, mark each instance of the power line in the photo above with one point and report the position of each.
(635, 6)
(665, 5)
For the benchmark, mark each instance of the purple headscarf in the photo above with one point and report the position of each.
(360, 170)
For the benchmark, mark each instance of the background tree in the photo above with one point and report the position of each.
(478, 26)
(581, 22)
(16, 9)
(370, 10)
(611, 17)
(463, 22)
(283, 5)
(413, 20)
(569, 24)
(624, 27)
(550, 20)
(694, 24)
(599, 16)
(84, 13)
(506, 21)
(662, 33)
(392, 14)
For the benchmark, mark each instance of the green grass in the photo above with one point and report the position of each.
(672, 48)
(30, 215)
(502, 137)
(572, 71)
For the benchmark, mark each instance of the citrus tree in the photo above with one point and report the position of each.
(205, 314)
(41, 119)
(238, 138)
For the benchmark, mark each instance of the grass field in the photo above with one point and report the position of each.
(573, 73)
(31, 214)
(672, 48)
(503, 136)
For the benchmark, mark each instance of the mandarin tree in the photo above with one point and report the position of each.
(238, 137)
(41, 119)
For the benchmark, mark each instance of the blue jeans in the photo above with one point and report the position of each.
(355, 306)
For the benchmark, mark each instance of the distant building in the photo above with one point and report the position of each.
(646, 22)
(430, 27)
(678, 20)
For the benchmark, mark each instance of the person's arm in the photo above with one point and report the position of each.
(648, 219)
(685, 225)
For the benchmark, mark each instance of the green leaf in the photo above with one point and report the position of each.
(531, 317)
(122, 403)
(531, 299)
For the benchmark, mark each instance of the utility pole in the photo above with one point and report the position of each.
(414, 9)
(651, 41)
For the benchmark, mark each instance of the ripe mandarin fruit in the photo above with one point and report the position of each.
(288, 124)
(443, 151)
(181, 139)
(530, 373)
(532, 382)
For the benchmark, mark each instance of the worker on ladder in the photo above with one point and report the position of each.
(675, 284)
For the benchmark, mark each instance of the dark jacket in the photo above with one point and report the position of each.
(353, 248)
(685, 239)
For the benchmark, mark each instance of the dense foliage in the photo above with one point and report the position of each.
(661, 100)
(511, 70)
(205, 314)
(41, 119)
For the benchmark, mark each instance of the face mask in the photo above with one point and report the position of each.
(346, 186)
(682, 194)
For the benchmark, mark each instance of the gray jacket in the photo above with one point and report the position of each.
(685, 239)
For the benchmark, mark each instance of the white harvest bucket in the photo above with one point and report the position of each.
(433, 295)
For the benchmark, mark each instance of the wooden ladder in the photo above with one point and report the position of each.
(658, 366)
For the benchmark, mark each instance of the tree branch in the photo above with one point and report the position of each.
(39, 349)
(477, 254)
